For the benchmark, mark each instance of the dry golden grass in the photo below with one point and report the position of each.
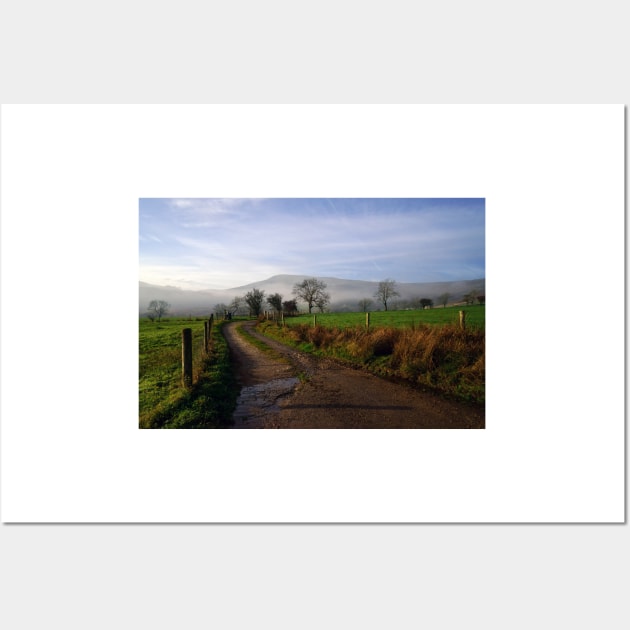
(445, 358)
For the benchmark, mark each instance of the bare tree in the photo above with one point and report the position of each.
(311, 291)
(159, 308)
(365, 304)
(237, 304)
(443, 299)
(275, 301)
(386, 290)
(322, 301)
(254, 299)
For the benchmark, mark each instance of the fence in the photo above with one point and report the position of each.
(187, 347)
(462, 320)
(187, 350)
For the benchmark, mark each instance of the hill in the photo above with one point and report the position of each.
(345, 294)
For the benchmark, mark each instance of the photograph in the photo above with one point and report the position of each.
(312, 313)
(281, 215)
(262, 280)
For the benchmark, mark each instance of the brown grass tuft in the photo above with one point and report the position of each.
(443, 357)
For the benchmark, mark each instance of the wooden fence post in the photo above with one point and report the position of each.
(462, 319)
(282, 318)
(187, 357)
(206, 336)
(367, 320)
(314, 320)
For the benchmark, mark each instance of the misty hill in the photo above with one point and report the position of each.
(344, 294)
(182, 302)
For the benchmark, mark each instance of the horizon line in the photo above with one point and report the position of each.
(249, 284)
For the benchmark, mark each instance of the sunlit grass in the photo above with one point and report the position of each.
(163, 401)
(441, 357)
(475, 317)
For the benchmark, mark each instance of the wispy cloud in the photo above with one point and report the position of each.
(237, 241)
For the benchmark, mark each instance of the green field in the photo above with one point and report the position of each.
(163, 401)
(452, 362)
(475, 318)
(427, 348)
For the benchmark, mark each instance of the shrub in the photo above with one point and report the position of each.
(382, 341)
(321, 337)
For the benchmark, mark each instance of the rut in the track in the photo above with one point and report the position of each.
(292, 390)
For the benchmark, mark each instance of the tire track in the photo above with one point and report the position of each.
(329, 395)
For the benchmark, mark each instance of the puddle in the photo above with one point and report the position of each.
(256, 402)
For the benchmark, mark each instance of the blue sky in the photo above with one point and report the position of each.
(224, 243)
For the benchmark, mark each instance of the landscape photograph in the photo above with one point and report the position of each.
(312, 313)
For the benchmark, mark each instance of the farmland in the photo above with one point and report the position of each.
(163, 402)
(425, 348)
(475, 318)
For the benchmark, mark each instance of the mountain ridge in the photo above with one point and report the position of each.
(344, 293)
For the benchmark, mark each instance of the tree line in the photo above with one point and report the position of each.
(387, 291)
(313, 293)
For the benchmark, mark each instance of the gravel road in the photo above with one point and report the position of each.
(288, 389)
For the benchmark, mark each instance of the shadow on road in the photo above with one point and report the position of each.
(344, 406)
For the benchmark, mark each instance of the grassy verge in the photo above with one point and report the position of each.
(164, 403)
(443, 358)
(263, 347)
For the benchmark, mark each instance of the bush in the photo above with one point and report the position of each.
(383, 341)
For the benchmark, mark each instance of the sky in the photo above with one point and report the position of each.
(199, 244)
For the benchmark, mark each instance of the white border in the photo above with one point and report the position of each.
(552, 177)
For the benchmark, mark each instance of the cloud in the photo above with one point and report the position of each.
(228, 242)
(181, 203)
(193, 243)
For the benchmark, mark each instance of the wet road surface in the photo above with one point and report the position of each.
(290, 389)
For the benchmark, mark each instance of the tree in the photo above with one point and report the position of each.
(237, 304)
(311, 291)
(254, 299)
(322, 300)
(220, 309)
(470, 297)
(443, 299)
(158, 308)
(289, 307)
(275, 301)
(424, 302)
(365, 304)
(386, 290)
(481, 299)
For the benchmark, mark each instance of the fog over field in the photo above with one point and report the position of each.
(195, 253)
(345, 294)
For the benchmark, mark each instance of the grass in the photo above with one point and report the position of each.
(422, 347)
(439, 356)
(263, 347)
(164, 403)
(475, 318)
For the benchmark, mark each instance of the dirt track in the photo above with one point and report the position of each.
(292, 390)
